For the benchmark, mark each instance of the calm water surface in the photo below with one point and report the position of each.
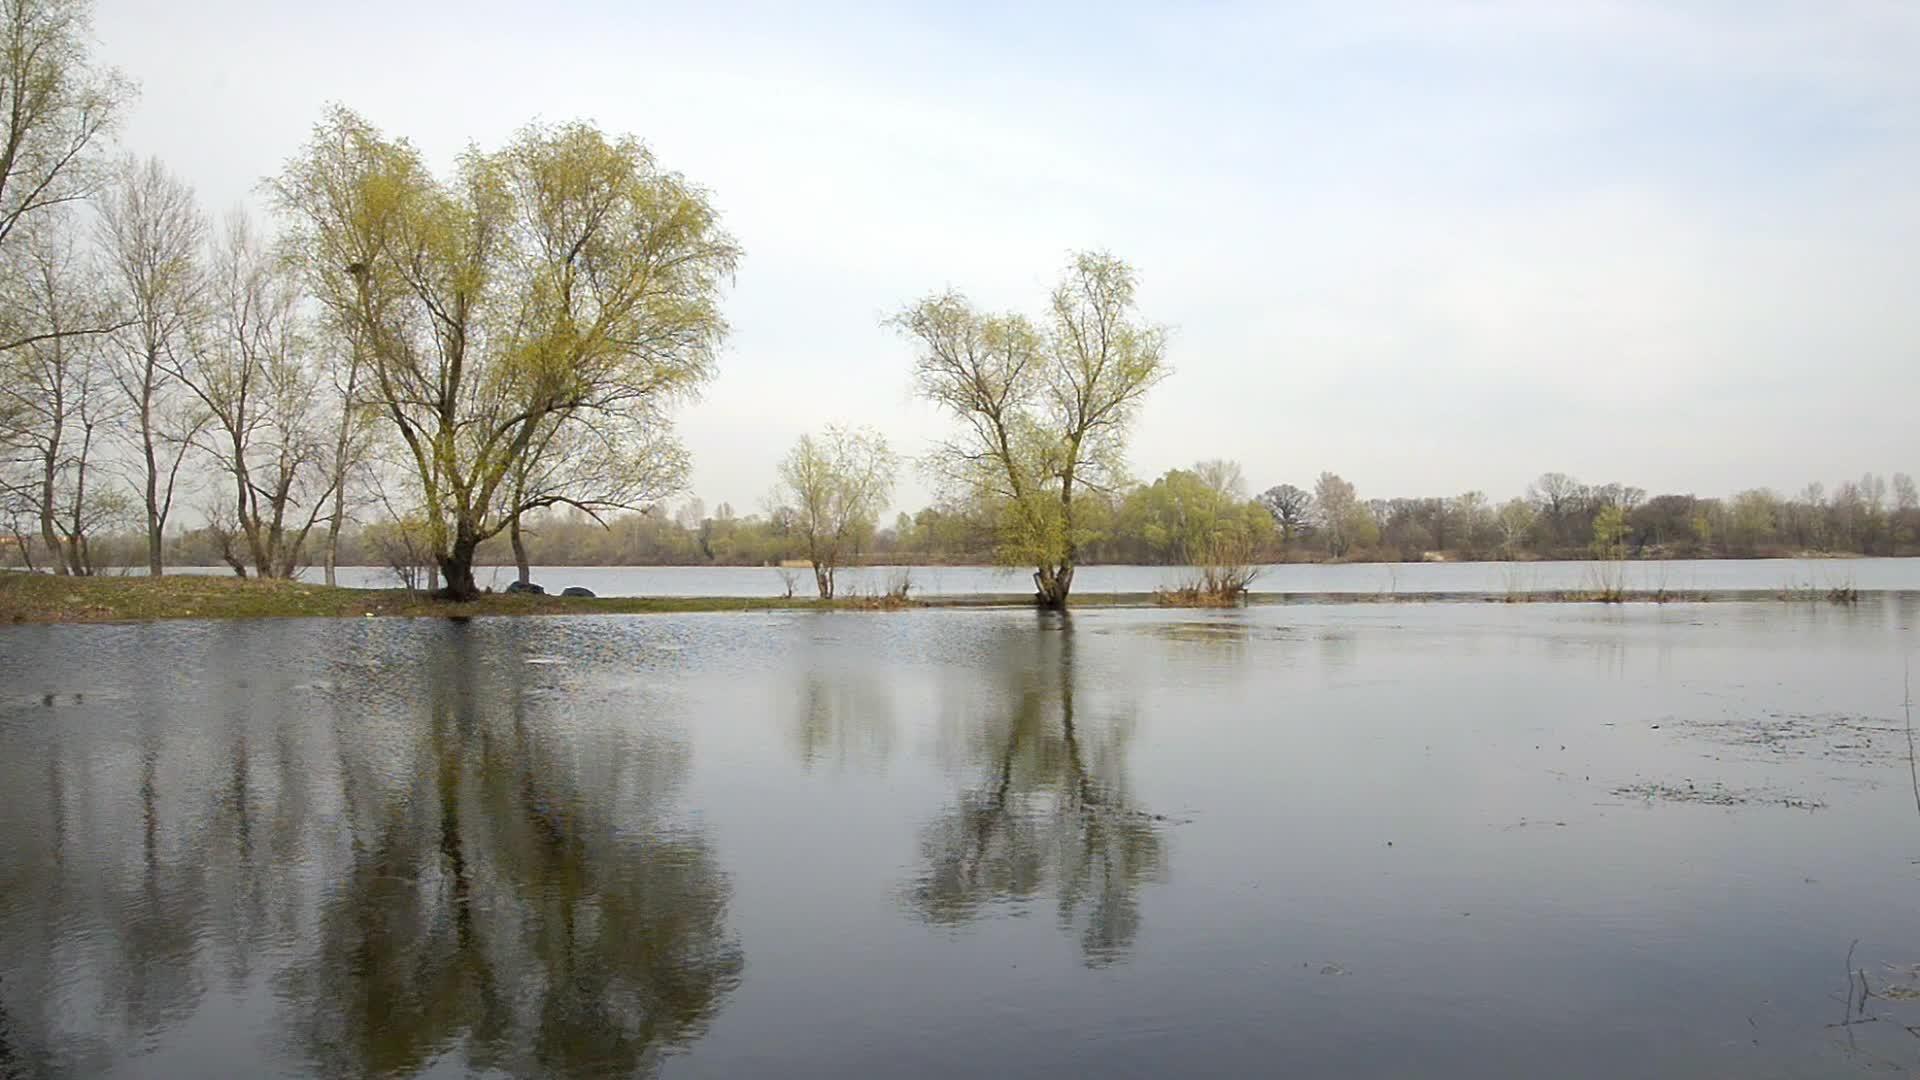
(1702, 575)
(1368, 840)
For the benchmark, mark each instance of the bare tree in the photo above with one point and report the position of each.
(57, 109)
(1556, 496)
(1342, 520)
(1292, 510)
(352, 438)
(1807, 512)
(1223, 476)
(1873, 490)
(1849, 517)
(151, 234)
(54, 393)
(224, 529)
(571, 457)
(253, 373)
(18, 512)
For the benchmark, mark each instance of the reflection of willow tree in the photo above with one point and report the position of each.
(459, 870)
(113, 877)
(845, 719)
(1049, 809)
(516, 893)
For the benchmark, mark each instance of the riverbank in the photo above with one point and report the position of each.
(43, 598)
(39, 598)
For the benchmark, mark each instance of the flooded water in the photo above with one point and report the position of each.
(1436, 840)
(1693, 576)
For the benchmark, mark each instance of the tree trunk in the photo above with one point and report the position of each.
(343, 437)
(154, 567)
(333, 547)
(1056, 579)
(520, 563)
(49, 533)
(276, 552)
(456, 570)
(823, 580)
(25, 544)
(152, 533)
(79, 557)
(249, 519)
(1052, 584)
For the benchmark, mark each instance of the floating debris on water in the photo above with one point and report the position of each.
(1861, 740)
(1716, 795)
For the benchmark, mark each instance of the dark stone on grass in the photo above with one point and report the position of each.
(575, 590)
(526, 587)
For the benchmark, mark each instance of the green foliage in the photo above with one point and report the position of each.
(1751, 523)
(1515, 521)
(1044, 408)
(57, 108)
(836, 485)
(528, 320)
(1609, 533)
(1181, 519)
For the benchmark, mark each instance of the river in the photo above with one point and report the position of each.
(1368, 840)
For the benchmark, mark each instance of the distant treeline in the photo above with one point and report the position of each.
(1558, 518)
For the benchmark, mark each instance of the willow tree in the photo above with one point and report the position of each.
(1044, 407)
(563, 290)
(834, 487)
(57, 108)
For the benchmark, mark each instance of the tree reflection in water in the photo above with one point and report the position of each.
(472, 870)
(525, 897)
(846, 718)
(1048, 808)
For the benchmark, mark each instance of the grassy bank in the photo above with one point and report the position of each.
(42, 598)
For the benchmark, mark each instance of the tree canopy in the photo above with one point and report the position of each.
(564, 288)
(835, 485)
(1044, 408)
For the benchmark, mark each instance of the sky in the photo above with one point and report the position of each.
(1431, 246)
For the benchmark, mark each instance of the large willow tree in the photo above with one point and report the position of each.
(1044, 408)
(562, 292)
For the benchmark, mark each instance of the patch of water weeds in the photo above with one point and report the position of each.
(1861, 740)
(1716, 794)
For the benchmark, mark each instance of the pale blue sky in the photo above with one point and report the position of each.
(1430, 246)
